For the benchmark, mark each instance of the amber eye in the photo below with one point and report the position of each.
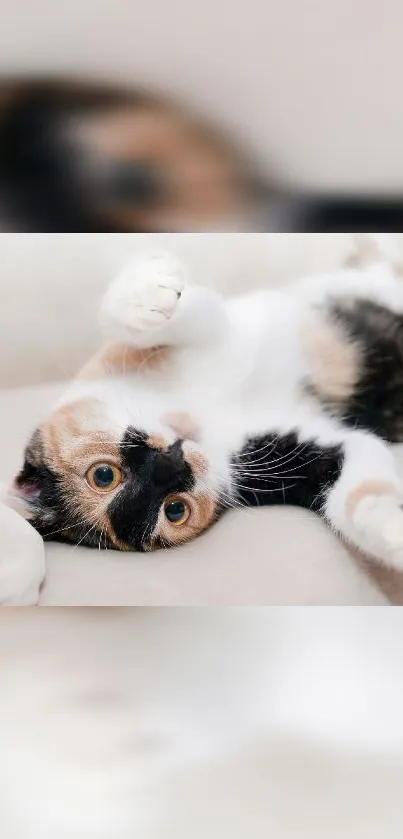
(104, 477)
(177, 511)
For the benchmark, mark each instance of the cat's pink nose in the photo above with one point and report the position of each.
(183, 425)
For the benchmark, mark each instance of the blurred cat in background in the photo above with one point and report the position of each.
(87, 158)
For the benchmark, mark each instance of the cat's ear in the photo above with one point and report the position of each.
(24, 494)
(34, 491)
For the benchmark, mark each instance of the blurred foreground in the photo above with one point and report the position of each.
(196, 723)
(91, 158)
(84, 157)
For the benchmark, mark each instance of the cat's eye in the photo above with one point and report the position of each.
(177, 510)
(104, 477)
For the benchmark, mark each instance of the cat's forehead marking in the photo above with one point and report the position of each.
(183, 424)
(198, 462)
(76, 431)
(157, 441)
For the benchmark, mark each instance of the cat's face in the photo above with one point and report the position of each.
(84, 481)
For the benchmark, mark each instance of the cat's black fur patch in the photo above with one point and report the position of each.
(152, 475)
(273, 469)
(377, 401)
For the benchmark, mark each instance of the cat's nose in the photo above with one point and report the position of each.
(168, 464)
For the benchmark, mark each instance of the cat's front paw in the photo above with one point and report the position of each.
(22, 560)
(381, 520)
(146, 295)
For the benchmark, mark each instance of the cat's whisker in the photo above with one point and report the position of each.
(294, 477)
(79, 522)
(289, 455)
(289, 459)
(260, 489)
(254, 452)
(97, 522)
(221, 495)
(147, 532)
(264, 473)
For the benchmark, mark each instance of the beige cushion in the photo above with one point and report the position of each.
(275, 556)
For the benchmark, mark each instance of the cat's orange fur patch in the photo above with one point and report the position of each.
(70, 446)
(197, 462)
(68, 436)
(367, 489)
(119, 359)
(182, 424)
(156, 441)
(334, 360)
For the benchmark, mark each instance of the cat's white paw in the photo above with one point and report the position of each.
(393, 539)
(21, 576)
(147, 293)
(380, 518)
(13, 594)
(22, 560)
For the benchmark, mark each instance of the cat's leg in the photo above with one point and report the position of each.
(149, 304)
(365, 504)
(22, 557)
(347, 477)
(379, 284)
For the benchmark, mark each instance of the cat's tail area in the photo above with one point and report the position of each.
(369, 248)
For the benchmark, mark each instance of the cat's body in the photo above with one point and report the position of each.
(198, 404)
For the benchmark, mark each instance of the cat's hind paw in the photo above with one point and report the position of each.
(380, 518)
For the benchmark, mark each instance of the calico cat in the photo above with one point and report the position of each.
(197, 404)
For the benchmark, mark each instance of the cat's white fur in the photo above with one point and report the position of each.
(22, 557)
(237, 370)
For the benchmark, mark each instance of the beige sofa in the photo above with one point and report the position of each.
(50, 286)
